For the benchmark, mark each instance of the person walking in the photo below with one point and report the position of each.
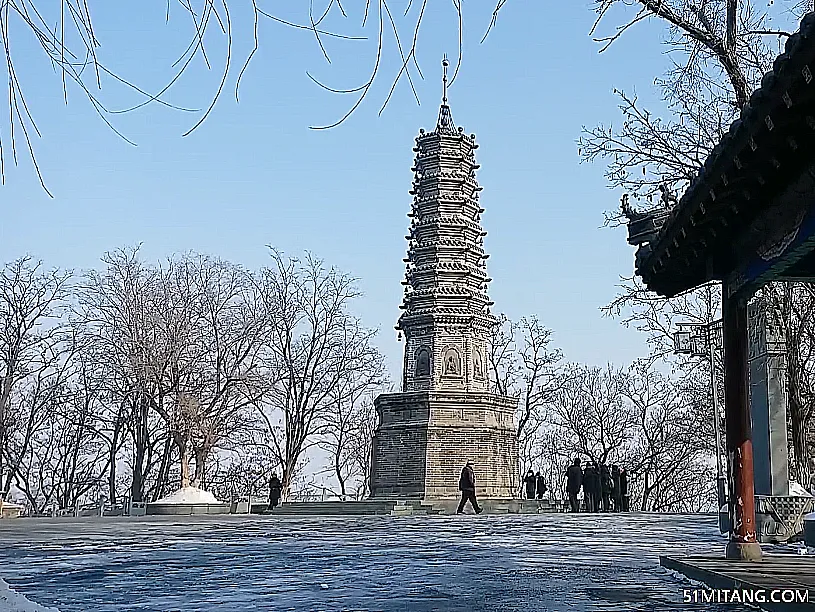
(466, 484)
(574, 481)
(540, 486)
(616, 495)
(275, 491)
(529, 482)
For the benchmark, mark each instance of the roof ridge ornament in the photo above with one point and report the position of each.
(445, 123)
(644, 224)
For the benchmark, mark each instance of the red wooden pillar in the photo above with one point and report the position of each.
(743, 543)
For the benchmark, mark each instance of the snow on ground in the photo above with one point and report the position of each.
(11, 601)
(189, 495)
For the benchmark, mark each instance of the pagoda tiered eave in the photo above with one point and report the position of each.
(456, 317)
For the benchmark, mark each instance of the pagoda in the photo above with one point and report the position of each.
(445, 414)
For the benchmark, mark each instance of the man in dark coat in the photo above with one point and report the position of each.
(529, 482)
(624, 489)
(275, 490)
(466, 484)
(574, 481)
(616, 495)
(605, 486)
(589, 485)
(597, 489)
(540, 486)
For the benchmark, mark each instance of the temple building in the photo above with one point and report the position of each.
(445, 414)
(746, 219)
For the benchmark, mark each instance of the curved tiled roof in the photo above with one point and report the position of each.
(755, 115)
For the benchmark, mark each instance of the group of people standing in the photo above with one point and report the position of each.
(605, 489)
(534, 485)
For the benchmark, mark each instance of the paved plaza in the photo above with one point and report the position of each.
(385, 564)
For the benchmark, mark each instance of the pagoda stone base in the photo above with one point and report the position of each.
(424, 438)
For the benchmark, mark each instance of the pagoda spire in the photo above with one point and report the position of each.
(444, 64)
(445, 123)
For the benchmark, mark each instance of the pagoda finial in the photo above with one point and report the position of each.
(445, 123)
(444, 64)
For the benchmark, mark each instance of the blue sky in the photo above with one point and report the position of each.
(254, 174)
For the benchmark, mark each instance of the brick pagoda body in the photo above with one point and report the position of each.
(445, 414)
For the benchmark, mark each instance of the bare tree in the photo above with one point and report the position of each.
(666, 473)
(312, 349)
(213, 327)
(540, 374)
(524, 364)
(360, 447)
(592, 413)
(242, 471)
(501, 357)
(68, 38)
(348, 408)
(32, 303)
(36, 405)
(66, 458)
(659, 318)
(673, 442)
(551, 453)
(115, 313)
(719, 50)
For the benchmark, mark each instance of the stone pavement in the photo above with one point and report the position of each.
(486, 563)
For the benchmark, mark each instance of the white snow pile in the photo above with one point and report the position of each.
(189, 495)
(12, 601)
(798, 491)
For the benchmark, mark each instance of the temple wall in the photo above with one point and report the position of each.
(493, 451)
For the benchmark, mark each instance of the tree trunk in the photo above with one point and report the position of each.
(199, 478)
(112, 476)
(164, 468)
(185, 464)
(338, 473)
(285, 481)
(646, 492)
(800, 441)
(799, 420)
(141, 440)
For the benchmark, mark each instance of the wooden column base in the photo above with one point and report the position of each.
(743, 551)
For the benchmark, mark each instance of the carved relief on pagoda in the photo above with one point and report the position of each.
(451, 363)
(478, 368)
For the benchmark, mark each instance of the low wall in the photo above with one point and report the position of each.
(186, 509)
